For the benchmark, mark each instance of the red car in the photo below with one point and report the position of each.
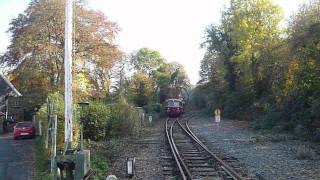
(24, 129)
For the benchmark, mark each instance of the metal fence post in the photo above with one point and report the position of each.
(47, 137)
(54, 147)
(40, 128)
(34, 119)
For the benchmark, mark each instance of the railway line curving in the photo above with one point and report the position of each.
(191, 158)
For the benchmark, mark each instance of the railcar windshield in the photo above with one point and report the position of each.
(173, 103)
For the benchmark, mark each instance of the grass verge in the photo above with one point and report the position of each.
(42, 171)
(100, 166)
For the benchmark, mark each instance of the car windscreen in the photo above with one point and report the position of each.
(21, 125)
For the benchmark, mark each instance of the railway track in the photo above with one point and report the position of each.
(192, 159)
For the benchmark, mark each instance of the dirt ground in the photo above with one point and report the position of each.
(16, 158)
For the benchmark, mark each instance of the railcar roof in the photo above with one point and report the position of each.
(174, 100)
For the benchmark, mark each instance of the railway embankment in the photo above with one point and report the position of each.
(267, 155)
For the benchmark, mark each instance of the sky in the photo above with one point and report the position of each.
(175, 28)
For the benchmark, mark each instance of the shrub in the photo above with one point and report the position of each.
(269, 121)
(42, 162)
(125, 119)
(111, 120)
(97, 120)
(316, 135)
(152, 107)
(102, 121)
(304, 152)
(100, 166)
(237, 105)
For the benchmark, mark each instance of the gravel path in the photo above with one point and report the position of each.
(266, 156)
(16, 158)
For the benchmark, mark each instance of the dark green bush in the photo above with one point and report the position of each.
(152, 107)
(97, 120)
(124, 119)
(111, 120)
(99, 165)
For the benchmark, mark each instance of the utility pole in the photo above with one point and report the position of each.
(68, 111)
(73, 164)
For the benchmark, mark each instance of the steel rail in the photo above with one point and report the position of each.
(225, 166)
(184, 166)
(174, 153)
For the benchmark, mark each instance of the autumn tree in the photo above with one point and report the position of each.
(120, 74)
(140, 89)
(37, 46)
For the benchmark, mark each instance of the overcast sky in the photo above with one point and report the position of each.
(173, 27)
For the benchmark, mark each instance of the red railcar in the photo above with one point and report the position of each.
(174, 107)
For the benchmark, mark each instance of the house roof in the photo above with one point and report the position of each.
(7, 88)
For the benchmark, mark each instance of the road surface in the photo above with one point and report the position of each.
(16, 158)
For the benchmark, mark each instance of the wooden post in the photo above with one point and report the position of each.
(34, 120)
(142, 119)
(81, 136)
(40, 128)
(47, 135)
(54, 147)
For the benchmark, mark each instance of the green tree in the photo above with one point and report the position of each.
(171, 81)
(253, 26)
(239, 65)
(146, 60)
(303, 95)
(167, 79)
(179, 81)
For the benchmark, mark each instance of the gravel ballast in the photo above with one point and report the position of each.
(264, 155)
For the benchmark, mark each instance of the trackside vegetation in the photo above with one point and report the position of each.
(100, 71)
(119, 87)
(256, 71)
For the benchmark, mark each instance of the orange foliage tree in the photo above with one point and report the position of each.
(36, 52)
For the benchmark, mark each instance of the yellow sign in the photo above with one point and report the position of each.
(217, 112)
